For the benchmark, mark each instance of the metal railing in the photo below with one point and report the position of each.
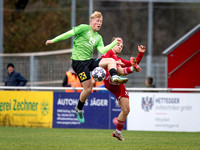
(29, 88)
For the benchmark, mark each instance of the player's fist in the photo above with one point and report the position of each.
(48, 42)
(119, 40)
(141, 48)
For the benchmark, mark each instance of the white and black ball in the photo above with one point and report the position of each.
(99, 74)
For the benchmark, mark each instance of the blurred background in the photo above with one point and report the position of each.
(27, 24)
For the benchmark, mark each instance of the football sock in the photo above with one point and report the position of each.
(113, 72)
(120, 125)
(120, 132)
(128, 70)
(80, 105)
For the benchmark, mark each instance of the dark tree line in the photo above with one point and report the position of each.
(29, 23)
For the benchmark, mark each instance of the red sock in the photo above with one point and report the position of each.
(120, 125)
(128, 70)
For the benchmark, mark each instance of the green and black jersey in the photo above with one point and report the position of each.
(85, 42)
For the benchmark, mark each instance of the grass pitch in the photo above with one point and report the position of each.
(17, 138)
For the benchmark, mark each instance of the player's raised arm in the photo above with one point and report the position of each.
(136, 61)
(103, 50)
(61, 37)
(141, 50)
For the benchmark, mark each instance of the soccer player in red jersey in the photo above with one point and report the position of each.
(119, 90)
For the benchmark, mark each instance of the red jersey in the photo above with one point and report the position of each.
(119, 90)
(111, 54)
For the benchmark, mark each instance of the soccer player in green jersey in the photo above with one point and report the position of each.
(86, 40)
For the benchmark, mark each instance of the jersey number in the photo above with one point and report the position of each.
(92, 41)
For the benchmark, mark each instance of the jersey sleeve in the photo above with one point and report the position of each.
(139, 57)
(126, 62)
(63, 36)
(74, 31)
(103, 49)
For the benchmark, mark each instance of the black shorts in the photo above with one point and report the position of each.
(83, 68)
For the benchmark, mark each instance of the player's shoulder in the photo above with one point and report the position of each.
(99, 35)
(110, 52)
(82, 28)
(85, 26)
(107, 54)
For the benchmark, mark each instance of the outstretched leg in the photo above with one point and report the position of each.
(110, 63)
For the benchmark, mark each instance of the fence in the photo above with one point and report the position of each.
(48, 68)
(42, 88)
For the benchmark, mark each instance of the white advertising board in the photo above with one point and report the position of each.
(164, 112)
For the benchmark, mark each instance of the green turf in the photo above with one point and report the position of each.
(16, 138)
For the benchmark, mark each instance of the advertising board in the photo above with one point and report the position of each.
(100, 111)
(26, 108)
(164, 112)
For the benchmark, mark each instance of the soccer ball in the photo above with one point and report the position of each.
(99, 74)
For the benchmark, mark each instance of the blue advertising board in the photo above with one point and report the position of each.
(115, 109)
(100, 111)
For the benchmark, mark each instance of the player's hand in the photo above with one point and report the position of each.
(141, 48)
(48, 42)
(120, 63)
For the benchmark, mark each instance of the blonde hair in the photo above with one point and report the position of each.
(96, 14)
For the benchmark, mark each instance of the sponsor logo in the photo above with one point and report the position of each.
(167, 100)
(147, 103)
(96, 37)
(18, 105)
(44, 108)
(82, 76)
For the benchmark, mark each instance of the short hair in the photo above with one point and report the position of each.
(96, 14)
(10, 65)
(150, 80)
(113, 38)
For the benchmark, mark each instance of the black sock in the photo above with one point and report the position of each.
(113, 71)
(80, 105)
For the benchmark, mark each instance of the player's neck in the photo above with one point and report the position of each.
(93, 28)
(115, 52)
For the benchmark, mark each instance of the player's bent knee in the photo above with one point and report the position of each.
(106, 62)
